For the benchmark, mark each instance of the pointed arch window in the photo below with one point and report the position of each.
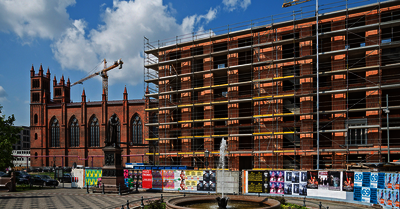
(55, 133)
(74, 132)
(136, 130)
(94, 132)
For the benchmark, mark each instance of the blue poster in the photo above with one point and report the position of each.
(366, 182)
(374, 196)
(358, 178)
(374, 180)
(389, 180)
(357, 194)
(365, 194)
(381, 180)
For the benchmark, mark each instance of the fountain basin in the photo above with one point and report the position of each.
(185, 202)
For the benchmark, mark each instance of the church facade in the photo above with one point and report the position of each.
(65, 132)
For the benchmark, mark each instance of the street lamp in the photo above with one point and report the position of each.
(206, 155)
(54, 166)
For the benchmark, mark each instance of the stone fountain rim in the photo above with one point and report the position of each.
(270, 202)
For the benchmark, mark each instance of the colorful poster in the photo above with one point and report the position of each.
(303, 189)
(389, 197)
(147, 179)
(172, 179)
(281, 186)
(288, 176)
(374, 180)
(288, 183)
(157, 179)
(92, 176)
(357, 194)
(381, 180)
(358, 177)
(323, 180)
(273, 176)
(366, 182)
(273, 187)
(296, 188)
(381, 196)
(396, 181)
(281, 176)
(266, 181)
(133, 177)
(389, 180)
(312, 179)
(396, 202)
(365, 194)
(374, 196)
(334, 180)
(295, 177)
(255, 181)
(303, 178)
(255, 187)
(348, 181)
(288, 188)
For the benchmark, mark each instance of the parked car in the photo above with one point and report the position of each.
(66, 178)
(22, 177)
(2, 173)
(43, 180)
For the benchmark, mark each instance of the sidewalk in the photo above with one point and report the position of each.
(78, 198)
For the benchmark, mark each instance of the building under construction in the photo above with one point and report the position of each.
(278, 102)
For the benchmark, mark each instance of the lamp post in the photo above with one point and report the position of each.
(206, 155)
(54, 166)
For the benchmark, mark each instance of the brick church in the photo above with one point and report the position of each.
(65, 132)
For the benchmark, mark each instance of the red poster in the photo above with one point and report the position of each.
(147, 179)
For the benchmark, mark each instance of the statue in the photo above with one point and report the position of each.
(113, 134)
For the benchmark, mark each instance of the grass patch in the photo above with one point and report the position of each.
(26, 187)
(51, 174)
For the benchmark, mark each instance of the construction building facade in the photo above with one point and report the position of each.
(265, 88)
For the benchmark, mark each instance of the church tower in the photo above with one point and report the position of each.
(40, 97)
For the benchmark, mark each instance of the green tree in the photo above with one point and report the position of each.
(8, 137)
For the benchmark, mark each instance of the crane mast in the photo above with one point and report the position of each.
(103, 74)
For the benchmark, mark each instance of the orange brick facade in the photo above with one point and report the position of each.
(257, 89)
(43, 110)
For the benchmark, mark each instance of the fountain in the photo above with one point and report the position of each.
(222, 201)
(235, 201)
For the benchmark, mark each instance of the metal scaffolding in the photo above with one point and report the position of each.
(255, 83)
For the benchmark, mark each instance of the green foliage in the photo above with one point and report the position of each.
(8, 137)
(292, 206)
(155, 204)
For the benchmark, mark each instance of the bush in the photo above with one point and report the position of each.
(155, 204)
(292, 206)
(281, 199)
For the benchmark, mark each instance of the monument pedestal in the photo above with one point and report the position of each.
(112, 171)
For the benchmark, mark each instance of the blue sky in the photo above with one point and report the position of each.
(72, 37)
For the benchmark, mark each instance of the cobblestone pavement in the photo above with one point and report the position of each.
(78, 198)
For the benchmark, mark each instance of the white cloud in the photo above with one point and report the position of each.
(231, 5)
(34, 18)
(3, 94)
(121, 36)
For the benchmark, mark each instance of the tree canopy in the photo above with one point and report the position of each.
(8, 137)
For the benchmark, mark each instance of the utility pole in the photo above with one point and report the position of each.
(316, 16)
